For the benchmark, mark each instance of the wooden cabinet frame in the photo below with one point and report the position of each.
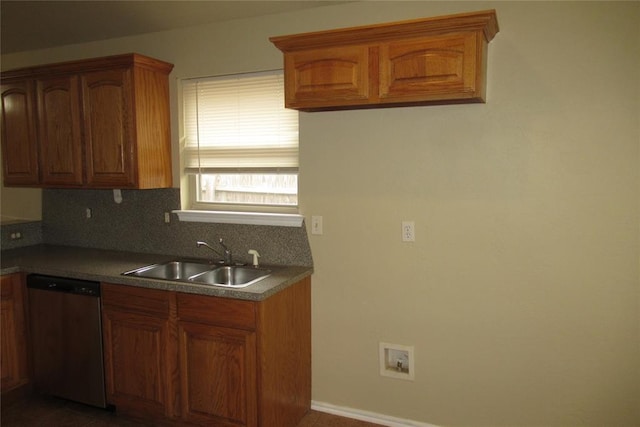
(205, 360)
(96, 123)
(418, 62)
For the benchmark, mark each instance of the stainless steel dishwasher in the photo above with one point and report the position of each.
(66, 338)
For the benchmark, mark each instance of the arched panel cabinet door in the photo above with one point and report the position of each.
(60, 139)
(442, 68)
(108, 128)
(19, 139)
(326, 77)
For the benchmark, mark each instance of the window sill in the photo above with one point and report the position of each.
(249, 218)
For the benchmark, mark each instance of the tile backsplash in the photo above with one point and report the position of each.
(137, 224)
(17, 234)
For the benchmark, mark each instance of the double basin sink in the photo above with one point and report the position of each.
(202, 273)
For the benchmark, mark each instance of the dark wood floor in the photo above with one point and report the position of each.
(51, 412)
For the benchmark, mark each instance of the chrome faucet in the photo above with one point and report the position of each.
(226, 256)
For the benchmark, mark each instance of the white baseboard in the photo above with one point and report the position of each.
(371, 417)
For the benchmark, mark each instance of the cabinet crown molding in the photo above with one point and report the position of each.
(87, 65)
(485, 21)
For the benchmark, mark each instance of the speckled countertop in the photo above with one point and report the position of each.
(108, 266)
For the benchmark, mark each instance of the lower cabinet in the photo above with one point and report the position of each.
(139, 350)
(13, 345)
(203, 360)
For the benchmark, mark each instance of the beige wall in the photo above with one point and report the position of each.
(19, 204)
(521, 294)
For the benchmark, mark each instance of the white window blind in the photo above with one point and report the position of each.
(239, 124)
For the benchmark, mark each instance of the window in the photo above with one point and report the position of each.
(241, 144)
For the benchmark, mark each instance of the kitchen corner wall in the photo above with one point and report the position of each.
(137, 225)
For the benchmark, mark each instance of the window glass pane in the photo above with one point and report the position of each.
(255, 189)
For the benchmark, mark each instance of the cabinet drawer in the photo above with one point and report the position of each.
(217, 311)
(141, 300)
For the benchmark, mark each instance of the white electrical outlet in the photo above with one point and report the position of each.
(316, 225)
(408, 231)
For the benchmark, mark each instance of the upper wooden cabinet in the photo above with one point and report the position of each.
(424, 61)
(97, 123)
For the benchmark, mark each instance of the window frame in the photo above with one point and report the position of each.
(194, 210)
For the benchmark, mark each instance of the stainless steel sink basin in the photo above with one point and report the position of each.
(172, 270)
(201, 273)
(237, 277)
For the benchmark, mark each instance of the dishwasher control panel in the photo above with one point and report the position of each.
(63, 284)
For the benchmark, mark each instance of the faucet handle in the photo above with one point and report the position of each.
(228, 257)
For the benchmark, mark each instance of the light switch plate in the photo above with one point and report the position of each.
(316, 225)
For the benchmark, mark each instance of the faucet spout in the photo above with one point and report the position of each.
(205, 244)
(227, 257)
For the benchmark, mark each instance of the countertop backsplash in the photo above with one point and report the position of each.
(137, 224)
(17, 234)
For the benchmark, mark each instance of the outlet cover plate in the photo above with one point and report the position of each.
(397, 361)
(408, 231)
